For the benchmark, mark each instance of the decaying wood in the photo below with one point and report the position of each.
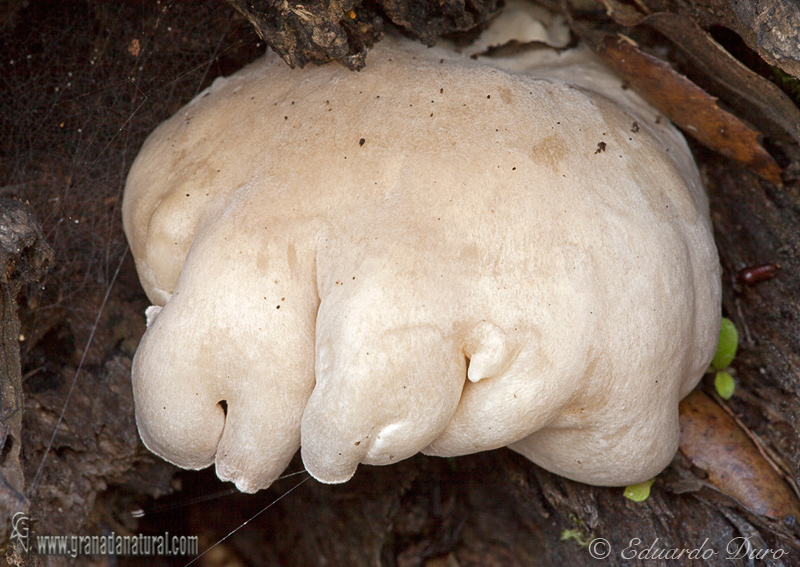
(24, 257)
(752, 97)
(487, 509)
(769, 27)
(318, 31)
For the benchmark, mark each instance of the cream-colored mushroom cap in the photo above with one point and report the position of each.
(436, 254)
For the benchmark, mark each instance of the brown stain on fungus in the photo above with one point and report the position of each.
(549, 151)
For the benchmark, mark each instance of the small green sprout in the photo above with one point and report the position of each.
(726, 348)
(725, 385)
(579, 534)
(726, 351)
(639, 492)
(580, 538)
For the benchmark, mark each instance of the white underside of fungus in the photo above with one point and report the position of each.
(436, 254)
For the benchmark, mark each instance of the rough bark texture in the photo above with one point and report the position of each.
(758, 223)
(768, 27)
(24, 257)
(319, 31)
(316, 31)
(81, 85)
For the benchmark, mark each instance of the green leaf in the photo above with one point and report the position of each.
(579, 537)
(725, 385)
(726, 348)
(639, 492)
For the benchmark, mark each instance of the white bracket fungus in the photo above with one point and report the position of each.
(335, 253)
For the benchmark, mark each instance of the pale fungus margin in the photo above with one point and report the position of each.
(432, 255)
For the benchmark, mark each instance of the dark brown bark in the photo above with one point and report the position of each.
(24, 257)
(68, 154)
(319, 31)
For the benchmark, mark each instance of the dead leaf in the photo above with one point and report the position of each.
(714, 443)
(768, 27)
(686, 104)
(751, 96)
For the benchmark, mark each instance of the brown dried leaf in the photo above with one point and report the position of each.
(751, 96)
(768, 27)
(714, 443)
(686, 104)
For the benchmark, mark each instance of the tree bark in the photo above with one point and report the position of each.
(69, 155)
(24, 257)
